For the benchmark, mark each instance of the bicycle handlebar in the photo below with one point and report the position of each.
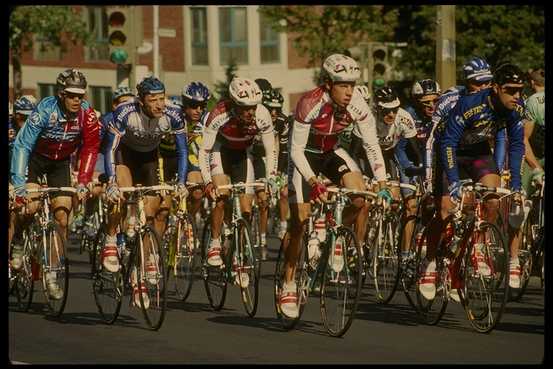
(240, 185)
(348, 191)
(51, 189)
(147, 188)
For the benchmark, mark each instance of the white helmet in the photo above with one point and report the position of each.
(245, 92)
(341, 68)
(363, 91)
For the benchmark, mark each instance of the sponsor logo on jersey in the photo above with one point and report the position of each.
(473, 111)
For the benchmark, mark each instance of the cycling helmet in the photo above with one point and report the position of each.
(265, 87)
(195, 91)
(150, 85)
(386, 98)
(341, 68)
(363, 91)
(275, 99)
(508, 73)
(425, 87)
(25, 105)
(244, 92)
(477, 69)
(71, 80)
(121, 91)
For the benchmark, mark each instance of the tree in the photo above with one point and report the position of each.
(319, 31)
(54, 25)
(221, 87)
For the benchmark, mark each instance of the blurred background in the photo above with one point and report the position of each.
(119, 45)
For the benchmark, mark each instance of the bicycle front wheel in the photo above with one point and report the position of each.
(215, 280)
(23, 284)
(341, 283)
(55, 276)
(152, 275)
(182, 257)
(486, 285)
(107, 287)
(248, 268)
(385, 259)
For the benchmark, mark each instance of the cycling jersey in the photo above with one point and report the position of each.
(50, 133)
(318, 122)
(167, 146)
(536, 112)
(225, 127)
(473, 122)
(138, 132)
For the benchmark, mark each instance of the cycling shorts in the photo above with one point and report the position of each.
(143, 166)
(237, 164)
(58, 172)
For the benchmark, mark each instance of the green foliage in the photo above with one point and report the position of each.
(47, 23)
(221, 87)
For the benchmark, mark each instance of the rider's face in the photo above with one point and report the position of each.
(72, 102)
(194, 111)
(341, 92)
(428, 104)
(475, 86)
(389, 115)
(508, 94)
(246, 113)
(20, 120)
(154, 105)
(121, 100)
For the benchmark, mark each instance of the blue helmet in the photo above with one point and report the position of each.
(121, 91)
(195, 91)
(150, 85)
(477, 69)
(24, 105)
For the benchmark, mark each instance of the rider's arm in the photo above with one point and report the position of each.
(300, 134)
(528, 152)
(181, 146)
(264, 122)
(24, 144)
(401, 152)
(500, 149)
(210, 135)
(515, 131)
(91, 144)
(114, 131)
(449, 141)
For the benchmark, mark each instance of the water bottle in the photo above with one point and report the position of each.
(313, 251)
(516, 215)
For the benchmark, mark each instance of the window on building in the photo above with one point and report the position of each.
(98, 26)
(233, 31)
(270, 42)
(44, 50)
(45, 90)
(199, 36)
(100, 98)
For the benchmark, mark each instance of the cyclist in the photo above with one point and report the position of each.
(54, 130)
(22, 108)
(464, 152)
(131, 157)
(321, 114)
(226, 156)
(194, 108)
(534, 132)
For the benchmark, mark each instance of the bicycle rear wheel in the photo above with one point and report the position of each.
(152, 275)
(485, 293)
(23, 284)
(341, 286)
(55, 270)
(249, 267)
(107, 287)
(182, 257)
(385, 259)
(215, 281)
(526, 260)
(408, 276)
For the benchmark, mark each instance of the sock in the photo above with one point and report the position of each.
(111, 240)
(263, 238)
(283, 224)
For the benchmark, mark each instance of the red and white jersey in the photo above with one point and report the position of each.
(318, 121)
(223, 126)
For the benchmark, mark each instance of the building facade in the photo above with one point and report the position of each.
(196, 43)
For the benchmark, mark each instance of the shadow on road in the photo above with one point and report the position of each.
(270, 324)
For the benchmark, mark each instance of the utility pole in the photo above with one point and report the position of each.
(445, 46)
(156, 41)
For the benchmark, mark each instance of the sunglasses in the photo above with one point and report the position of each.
(480, 83)
(386, 111)
(70, 95)
(196, 105)
(512, 90)
(428, 103)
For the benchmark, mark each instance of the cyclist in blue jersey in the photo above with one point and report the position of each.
(464, 152)
(22, 108)
(130, 154)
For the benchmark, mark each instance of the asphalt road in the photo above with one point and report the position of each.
(193, 333)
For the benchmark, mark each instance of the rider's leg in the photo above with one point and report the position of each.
(359, 209)
(197, 194)
(299, 213)
(263, 205)
(409, 221)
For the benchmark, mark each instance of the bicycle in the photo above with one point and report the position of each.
(44, 240)
(241, 264)
(145, 275)
(473, 259)
(181, 245)
(340, 284)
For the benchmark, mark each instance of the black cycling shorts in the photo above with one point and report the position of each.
(142, 165)
(58, 172)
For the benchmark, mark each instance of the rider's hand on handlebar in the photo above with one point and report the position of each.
(82, 191)
(113, 193)
(318, 192)
(181, 190)
(210, 191)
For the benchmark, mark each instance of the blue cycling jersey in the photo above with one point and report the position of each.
(131, 126)
(472, 121)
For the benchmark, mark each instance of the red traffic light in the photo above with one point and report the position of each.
(116, 19)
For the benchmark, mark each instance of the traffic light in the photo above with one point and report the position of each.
(119, 33)
(381, 67)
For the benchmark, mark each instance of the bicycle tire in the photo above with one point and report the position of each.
(349, 276)
(526, 260)
(248, 265)
(406, 281)
(385, 262)
(54, 306)
(156, 283)
(484, 294)
(182, 263)
(107, 287)
(23, 284)
(215, 279)
(255, 232)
